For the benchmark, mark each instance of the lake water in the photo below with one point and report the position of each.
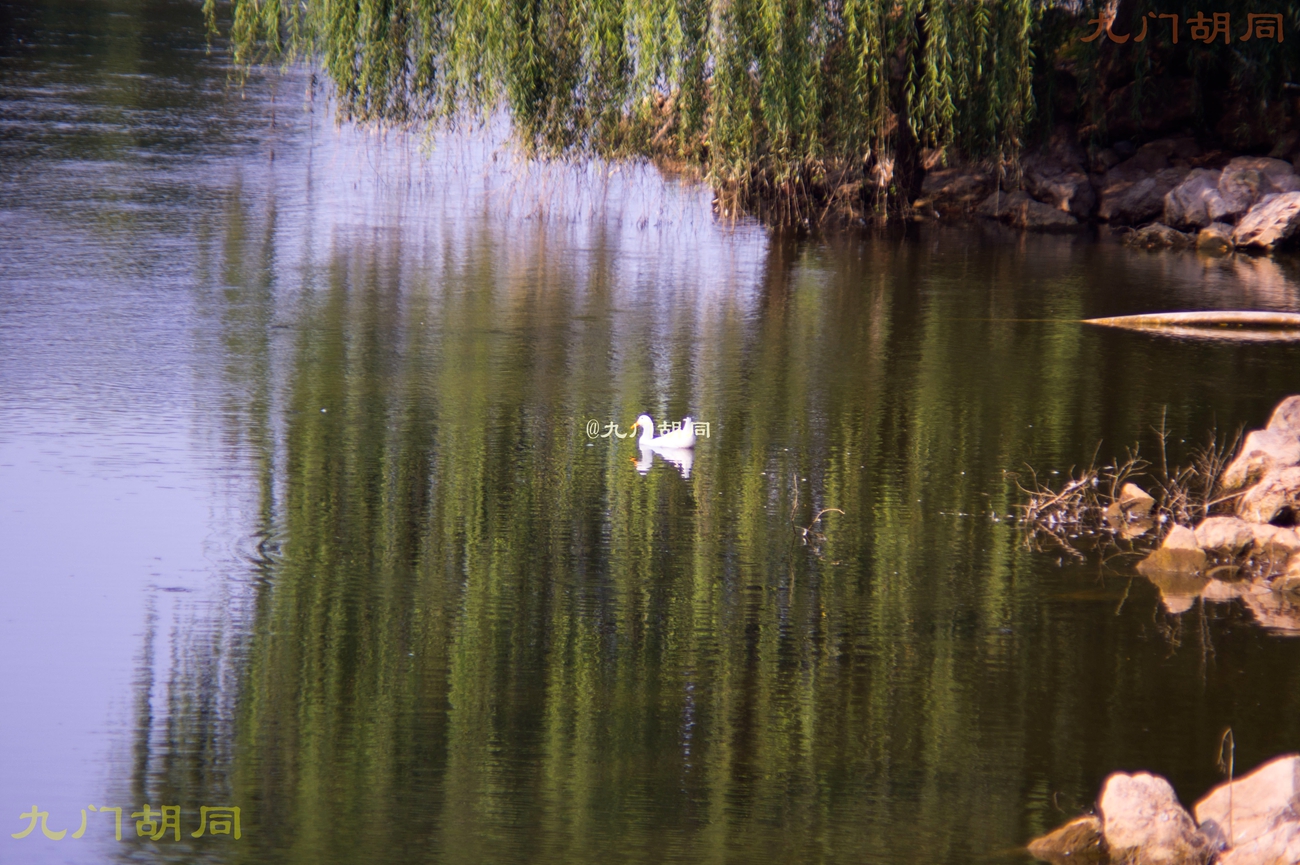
(299, 511)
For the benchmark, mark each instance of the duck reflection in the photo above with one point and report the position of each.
(681, 458)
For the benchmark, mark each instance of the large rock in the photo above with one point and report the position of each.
(1143, 823)
(1225, 536)
(1247, 179)
(1286, 417)
(1179, 556)
(957, 189)
(1277, 542)
(1279, 172)
(1279, 847)
(1255, 804)
(1275, 499)
(1239, 189)
(1130, 197)
(1064, 187)
(1181, 538)
(1262, 451)
(1195, 203)
(1215, 237)
(1076, 841)
(1273, 222)
(1018, 209)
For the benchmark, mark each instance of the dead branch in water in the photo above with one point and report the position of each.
(1130, 501)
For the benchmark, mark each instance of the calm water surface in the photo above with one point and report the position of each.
(298, 510)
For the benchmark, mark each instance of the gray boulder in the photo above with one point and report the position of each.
(1132, 198)
(1194, 203)
(1247, 179)
(1277, 170)
(1018, 209)
(1271, 223)
(1061, 186)
(1239, 190)
(1143, 823)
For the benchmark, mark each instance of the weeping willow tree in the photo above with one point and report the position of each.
(773, 99)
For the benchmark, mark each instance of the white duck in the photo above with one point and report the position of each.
(678, 438)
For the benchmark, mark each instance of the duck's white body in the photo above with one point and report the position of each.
(678, 438)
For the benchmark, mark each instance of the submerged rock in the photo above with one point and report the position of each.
(1143, 823)
(1179, 589)
(1273, 222)
(1157, 236)
(1215, 237)
(1077, 841)
(1179, 554)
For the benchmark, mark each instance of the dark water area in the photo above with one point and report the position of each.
(299, 512)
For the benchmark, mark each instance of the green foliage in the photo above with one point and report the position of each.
(773, 93)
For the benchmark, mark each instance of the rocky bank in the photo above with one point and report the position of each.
(1168, 192)
(1254, 554)
(1138, 820)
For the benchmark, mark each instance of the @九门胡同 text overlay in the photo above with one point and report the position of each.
(597, 430)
